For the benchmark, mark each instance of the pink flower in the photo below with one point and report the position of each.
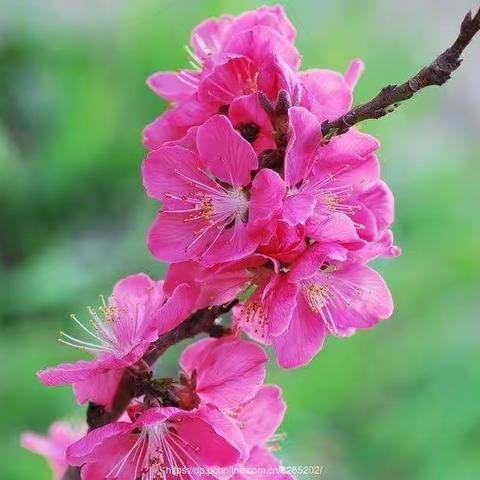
(333, 297)
(53, 446)
(326, 291)
(123, 330)
(334, 189)
(213, 212)
(223, 372)
(158, 439)
(231, 57)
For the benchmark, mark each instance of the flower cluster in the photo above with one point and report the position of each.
(256, 203)
(260, 212)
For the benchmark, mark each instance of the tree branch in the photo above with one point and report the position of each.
(202, 321)
(437, 73)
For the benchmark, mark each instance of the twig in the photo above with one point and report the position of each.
(202, 321)
(437, 73)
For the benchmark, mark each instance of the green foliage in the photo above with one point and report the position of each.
(399, 401)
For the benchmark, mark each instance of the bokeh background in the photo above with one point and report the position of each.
(396, 402)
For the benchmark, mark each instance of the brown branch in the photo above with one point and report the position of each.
(202, 321)
(437, 73)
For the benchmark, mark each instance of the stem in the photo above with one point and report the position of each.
(437, 73)
(202, 321)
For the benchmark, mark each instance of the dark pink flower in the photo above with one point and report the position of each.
(122, 331)
(156, 442)
(326, 291)
(230, 57)
(335, 189)
(334, 297)
(54, 445)
(213, 212)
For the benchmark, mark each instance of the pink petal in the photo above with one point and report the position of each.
(235, 243)
(173, 240)
(100, 389)
(228, 156)
(302, 340)
(286, 244)
(276, 76)
(89, 447)
(229, 80)
(188, 141)
(174, 86)
(369, 299)
(266, 196)
(352, 143)
(325, 93)
(298, 208)
(208, 36)
(219, 285)
(262, 415)
(169, 238)
(66, 373)
(262, 465)
(271, 16)
(215, 440)
(311, 261)
(379, 200)
(229, 370)
(129, 290)
(337, 227)
(383, 247)
(53, 446)
(354, 71)
(281, 304)
(177, 308)
(175, 122)
(302, 147)
(162, 129)
(167, 170)
(259, 42)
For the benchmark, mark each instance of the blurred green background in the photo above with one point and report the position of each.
(400, 401)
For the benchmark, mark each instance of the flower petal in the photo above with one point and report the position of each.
(266, 196)
(100, 389)
(67, 373)
(369, 299)
(229, 80)
(174, 86)
(302, 340)
(298, 208)
(177, 308)
(259, 42)
(228, 156)
(262, 415)
(91, 446)
(304, 141)
(169, 170)
(229, 370)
